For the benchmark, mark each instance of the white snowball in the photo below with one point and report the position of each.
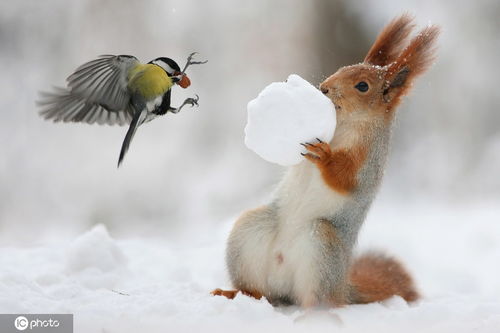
(286, 114)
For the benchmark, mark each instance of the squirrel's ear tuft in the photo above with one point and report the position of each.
(390, 41)
(415, 59)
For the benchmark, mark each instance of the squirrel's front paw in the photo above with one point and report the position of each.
(318, 152)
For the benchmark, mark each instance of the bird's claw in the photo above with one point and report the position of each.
(190, 57)
(190, 62)
(192, 101)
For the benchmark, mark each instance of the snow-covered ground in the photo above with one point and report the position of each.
(158, 285)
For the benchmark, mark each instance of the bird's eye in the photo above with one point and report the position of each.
(362, 86)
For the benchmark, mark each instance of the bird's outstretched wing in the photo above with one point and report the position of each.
(97, 92)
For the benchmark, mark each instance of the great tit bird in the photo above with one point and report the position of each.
(118, 90)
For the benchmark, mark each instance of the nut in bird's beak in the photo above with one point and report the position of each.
(184, 82)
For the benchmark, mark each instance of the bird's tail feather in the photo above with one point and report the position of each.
(130, 134)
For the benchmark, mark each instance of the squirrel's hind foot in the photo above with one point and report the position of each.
(230, 294)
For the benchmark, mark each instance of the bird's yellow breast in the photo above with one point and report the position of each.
(149, 80)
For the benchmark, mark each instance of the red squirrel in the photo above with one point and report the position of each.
(298, 249)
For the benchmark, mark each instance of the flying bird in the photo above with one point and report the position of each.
(118, 90)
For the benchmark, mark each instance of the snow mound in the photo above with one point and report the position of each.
(95, 250)
(286, 114)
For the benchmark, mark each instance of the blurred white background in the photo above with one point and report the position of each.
(191, 171)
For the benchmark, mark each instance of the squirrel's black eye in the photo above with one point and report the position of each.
(362, 86)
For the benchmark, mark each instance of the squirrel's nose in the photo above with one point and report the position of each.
(324, 89)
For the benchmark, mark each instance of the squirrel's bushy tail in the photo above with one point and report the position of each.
(374, 277)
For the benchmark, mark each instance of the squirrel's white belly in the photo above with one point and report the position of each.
(304, 200)
(291, 270)
(304, 196)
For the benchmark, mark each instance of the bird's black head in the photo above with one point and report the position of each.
(168, 65)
